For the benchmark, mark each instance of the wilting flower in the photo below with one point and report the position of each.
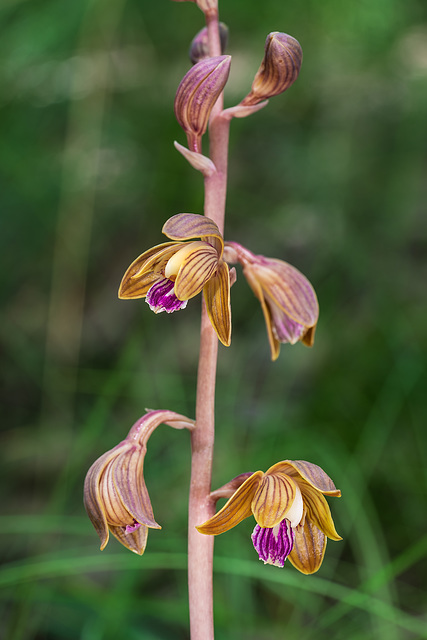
(196, 95)
(279, 68)
(292, 515)
(169, 274)
(288, 300)
(115, 495)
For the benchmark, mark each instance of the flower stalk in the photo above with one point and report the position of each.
(201, 507)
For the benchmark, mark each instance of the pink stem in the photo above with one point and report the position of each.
(201, 507)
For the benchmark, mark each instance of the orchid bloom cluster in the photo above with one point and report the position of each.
(293, 519)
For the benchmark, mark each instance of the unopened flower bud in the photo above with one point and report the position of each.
(279, 69)
(197, 94)
(199, 48)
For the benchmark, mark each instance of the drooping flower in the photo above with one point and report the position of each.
(288, 300)
(169, 274)
(292, 515)
(115, 495)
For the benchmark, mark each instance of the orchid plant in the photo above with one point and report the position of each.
(293, 519)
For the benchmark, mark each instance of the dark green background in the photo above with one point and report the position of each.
(331, 177)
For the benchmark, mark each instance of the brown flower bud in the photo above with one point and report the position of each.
(197, 94)
(199, 48)
(279, 69)
(205, 5)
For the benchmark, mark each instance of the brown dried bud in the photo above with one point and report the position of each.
(199, 48)
(197, 94)
(279, 69)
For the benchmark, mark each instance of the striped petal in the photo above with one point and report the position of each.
(217, 298)
(289, 289)
(310, 472)
(309, 549)
(135, 541)
(236, 509)
(197, 267)
(257, 289)
(129, 482)
(145, 270)
(318, 511)
(273, 498)
(186, 226)
(92, 497)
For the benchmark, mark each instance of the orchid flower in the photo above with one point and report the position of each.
(169, 274)
(292, 515)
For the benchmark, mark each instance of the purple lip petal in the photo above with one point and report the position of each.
(161, 297)
(132, 527)
(274, 545)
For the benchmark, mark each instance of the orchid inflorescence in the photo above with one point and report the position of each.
(293, 519)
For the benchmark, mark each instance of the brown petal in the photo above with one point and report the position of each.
(217, 298)
(187, 226)
(128, 476)
(289, 289)
(235, 510)
(310, 472)
(257, 289)
(135, 541)
(318, 511)
(309, 549)
(92, 499)
(145, 270)
(274, 496)
(196, 269)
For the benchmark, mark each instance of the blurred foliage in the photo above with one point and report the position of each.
(330, 177)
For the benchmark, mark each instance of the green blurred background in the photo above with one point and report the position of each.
(331, 177)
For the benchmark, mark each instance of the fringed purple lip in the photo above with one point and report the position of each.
(274, 545)
(161, 297)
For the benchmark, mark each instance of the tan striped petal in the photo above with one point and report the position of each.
(310, 472)
(255, 285)
(217, 298)
(309, 549)
(187, 226)
(290, 290)
(236, 509)
(135, 541)
(274, 496)
(92, 498)
(145, 270)
(197, 267)
(318, 511)
(129, 482)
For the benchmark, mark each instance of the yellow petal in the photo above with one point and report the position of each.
(257, 289)
(144, 271)
(236, 509)
(318, 511)
(197, 267)
(310, 472)
(135, 541)
(274, 496)
(217, 298)
(309, 549)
